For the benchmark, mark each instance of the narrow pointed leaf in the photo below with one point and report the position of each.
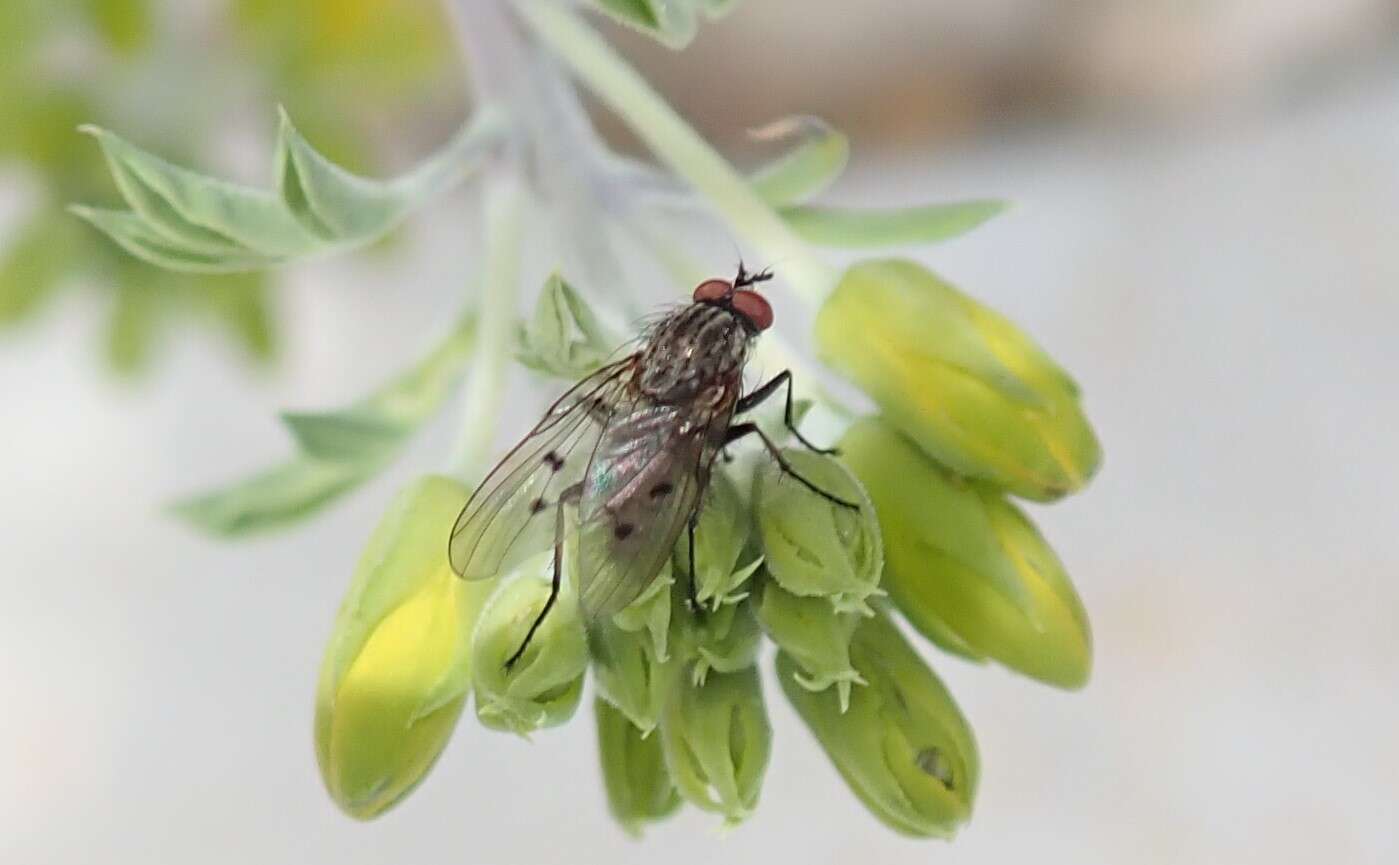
(806, 169)
(374, 427)
(339, 450)
(850, 228)
(272, 498)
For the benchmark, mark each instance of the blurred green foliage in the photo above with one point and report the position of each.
(339, 65)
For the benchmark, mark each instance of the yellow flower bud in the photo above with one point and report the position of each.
(966, 385)
(717, 741)
(815, 637)
(542, 688)
(812, 546)
(397, 668)
(965, 566)
(902, 745)
(639, 789)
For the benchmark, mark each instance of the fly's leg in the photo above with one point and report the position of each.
(739, 430)
(692, 587)
(569, 495)
(757, 397)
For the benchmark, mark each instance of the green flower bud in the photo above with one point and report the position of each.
(543, 688)
(724, 639)
(812, 546)
(629, 675)
(717, 741)
(563, 337)
(814, 636)
(639, 789)
(902, 745)
(957, 378)
(650, 614)
(965, 566)
(398, 665)
(720, 540)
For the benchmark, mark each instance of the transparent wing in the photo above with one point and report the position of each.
(510, 516)
(644, 484)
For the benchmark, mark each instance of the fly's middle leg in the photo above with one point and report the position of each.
(568, 496)
(739, 430)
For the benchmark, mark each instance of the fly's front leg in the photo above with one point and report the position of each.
(757, 397)
(569, 496)
(738, 431)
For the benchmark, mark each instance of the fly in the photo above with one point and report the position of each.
(631, 446)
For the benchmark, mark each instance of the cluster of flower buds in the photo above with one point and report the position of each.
(918, 521)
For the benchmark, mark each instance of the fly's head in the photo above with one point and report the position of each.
(739, 298)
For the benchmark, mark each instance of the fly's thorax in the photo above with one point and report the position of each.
(691, 351)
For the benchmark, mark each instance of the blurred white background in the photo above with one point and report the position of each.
(1220, 275)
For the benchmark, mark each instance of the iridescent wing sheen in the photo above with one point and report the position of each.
(510, 516)
(645, 481)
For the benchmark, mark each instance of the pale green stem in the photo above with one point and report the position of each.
(673, 141)
(491, 359)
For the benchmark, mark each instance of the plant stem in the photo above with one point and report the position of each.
(673, 140)
(491, 358)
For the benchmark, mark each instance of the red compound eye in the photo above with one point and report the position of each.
(754, 307)
(713, 290)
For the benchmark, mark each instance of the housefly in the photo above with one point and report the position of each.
(631, 447)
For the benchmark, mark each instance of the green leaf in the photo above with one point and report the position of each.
(273, 498)
(673, 23)
(186, 221)
(38, 258)
(850, 228)
(256, 220)
(806, 169)
(338, 450)
(375, 426)
(563, 337)
(139, 238)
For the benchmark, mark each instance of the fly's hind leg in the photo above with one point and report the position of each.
(739, 430)
(692, 587)
(568, 496)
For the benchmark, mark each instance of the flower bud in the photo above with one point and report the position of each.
(639, 789)
(965, 566)
(902, 746)
(397, 668)
(717, 740)
(812, 546)
(629, 675)
(650, 613)
(563, 337)
(543, 687)
(720, 538)
(724, 639)
(815, 637)
(967, 386)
